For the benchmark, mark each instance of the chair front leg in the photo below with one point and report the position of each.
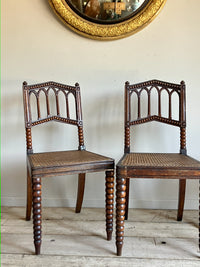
(80, 193)
(37, 214)
(109, 203)
(29, 196)
(181, 200)
(120, 212)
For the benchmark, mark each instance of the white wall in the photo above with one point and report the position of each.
(37, 47)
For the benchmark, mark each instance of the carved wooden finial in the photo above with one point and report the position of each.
(182, 83)
(25, 83)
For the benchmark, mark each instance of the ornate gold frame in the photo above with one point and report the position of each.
(106, 31)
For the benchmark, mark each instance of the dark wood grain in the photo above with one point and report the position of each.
(47, 164)
(153, 165)
(80, 194)
(29, 196)
(37, 214)
(120, 212)
(182, 187)
(127, 197)
(109, 203)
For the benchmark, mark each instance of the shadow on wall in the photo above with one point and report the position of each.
(104, 124)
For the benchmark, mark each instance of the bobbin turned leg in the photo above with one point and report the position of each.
(109, 203)
(37, 214)
(120, 212)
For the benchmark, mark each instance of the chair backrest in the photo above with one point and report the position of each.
(58, 89)
(159, 87)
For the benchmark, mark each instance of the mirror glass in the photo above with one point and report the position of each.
(107, 11)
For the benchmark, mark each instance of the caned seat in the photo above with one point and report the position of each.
(59, 162)
(55, 163)
(152, 165)
(137, 164)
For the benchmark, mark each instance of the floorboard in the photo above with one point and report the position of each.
(152, 238)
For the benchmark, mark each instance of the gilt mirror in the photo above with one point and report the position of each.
(106, 19)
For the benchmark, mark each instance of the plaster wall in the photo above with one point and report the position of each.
(37, 47)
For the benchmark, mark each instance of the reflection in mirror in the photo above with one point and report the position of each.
(107, 11)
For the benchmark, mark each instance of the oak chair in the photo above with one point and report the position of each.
(56, 163)
(152, 165)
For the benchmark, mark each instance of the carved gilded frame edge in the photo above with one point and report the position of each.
(106, 31)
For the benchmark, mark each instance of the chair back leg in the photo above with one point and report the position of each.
(29, 196)
(181, 199)
(127, 198)
(80, 194)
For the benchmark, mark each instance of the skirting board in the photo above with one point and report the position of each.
(190, 204)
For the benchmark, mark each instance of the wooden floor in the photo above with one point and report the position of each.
(152, 238)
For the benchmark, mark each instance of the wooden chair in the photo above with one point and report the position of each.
(47, 164)
(152, 165)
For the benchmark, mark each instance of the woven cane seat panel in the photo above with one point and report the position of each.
(160, 160)
(65, 158)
